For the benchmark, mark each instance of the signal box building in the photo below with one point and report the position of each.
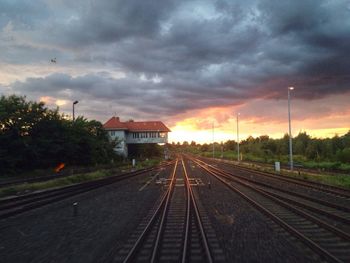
(132, 132)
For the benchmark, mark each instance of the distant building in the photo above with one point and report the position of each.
(132, 132)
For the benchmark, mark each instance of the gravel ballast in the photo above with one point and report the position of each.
(245, 234)
(105, 219)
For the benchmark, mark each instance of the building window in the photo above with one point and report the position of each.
(112, 133)
(162, 134)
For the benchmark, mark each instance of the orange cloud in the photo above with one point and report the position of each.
(319, 118)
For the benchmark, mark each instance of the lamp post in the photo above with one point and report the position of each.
(75, 102)
(237, 138)
(213, 143)
(290, 132)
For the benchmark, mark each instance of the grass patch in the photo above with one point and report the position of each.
(301, 160)
(335, 180)
(72, 179)
(147, 163)
(59, 182)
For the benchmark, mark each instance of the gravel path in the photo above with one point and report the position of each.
(286, 185)
(245, 234)
(105, 219)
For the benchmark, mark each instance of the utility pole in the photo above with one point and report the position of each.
(222, 150)
(290, 132)
(213, 142)
(75, 102)
(237, 138)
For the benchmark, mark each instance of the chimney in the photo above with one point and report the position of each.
(117, 119)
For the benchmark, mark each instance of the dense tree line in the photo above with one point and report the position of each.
(315, 149)
(33, 136)
(264, 148)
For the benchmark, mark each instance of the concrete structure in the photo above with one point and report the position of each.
(132, 132)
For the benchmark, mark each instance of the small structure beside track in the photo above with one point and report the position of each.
(132, 132)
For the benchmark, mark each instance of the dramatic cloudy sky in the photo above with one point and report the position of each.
(187, 63)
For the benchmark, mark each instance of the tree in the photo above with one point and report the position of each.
(230, 145)
(33, 136)
(344, 155)
(300, 143)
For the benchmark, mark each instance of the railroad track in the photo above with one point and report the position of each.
(327, 208)
(11, 182)
(19, 204)
(174, 231)
(319, 229)
(329, 189)
(299, 168)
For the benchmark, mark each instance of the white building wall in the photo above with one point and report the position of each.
(125, 138)
(120, 136)
(146, 137)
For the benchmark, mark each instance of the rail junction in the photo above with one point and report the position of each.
(193, 210)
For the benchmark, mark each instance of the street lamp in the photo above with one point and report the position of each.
(237, 138)
(290, 132)
(213, 143)
(75, 102)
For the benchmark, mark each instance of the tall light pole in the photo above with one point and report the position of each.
(75, 102)
(237, 138)
(290, 132)
(213, 142)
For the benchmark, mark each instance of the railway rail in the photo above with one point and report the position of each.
(333, 190)
(329, 208)
(19, 204)
(325, 232)
(11, 182)
(298, 167)
(174, 231)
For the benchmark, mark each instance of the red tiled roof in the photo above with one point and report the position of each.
(115, 123)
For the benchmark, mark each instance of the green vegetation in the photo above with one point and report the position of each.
(334, 179)
(59, 182)
(35, 137)
(73, 179)
(143, 151)
(329, 154)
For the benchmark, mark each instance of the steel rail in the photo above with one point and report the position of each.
(163, 217)
(187, 224)
(20, 204)
(309, 207)
(286, 203)
(322, 202)
(339, 191)
(107, 179)
(11, 182)
(283, 224)
(198, 218)
(159, 220)
(152, 221)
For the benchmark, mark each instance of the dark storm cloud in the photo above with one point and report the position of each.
(204, 53)
(110, 21)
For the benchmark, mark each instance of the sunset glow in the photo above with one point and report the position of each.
(188, 64)
(327, 121)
